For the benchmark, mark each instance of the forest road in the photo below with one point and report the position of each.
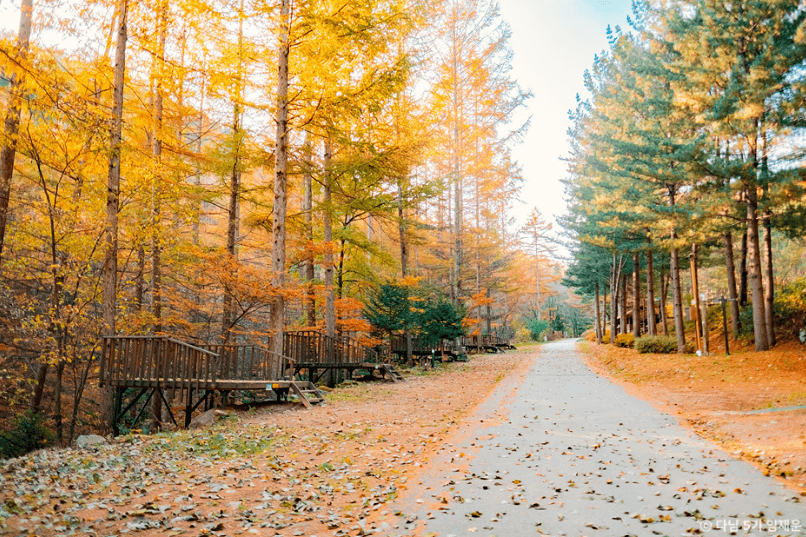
(561, 451)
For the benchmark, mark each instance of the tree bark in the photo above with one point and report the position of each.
(330, 299)
(695, 290)
(307, 209)
(743, 271)
(769, 281)
(755, 273)
(598, 317)
(677, 297)
(615, 280)
(636, 311)
(277, 313)
(727, 239)
(664, 293)
(650, 295)
(110, 269)
(11, 124)
(158, 72)
(623, 307)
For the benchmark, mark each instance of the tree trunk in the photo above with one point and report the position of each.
(650, 295)
(769, 281)
(233, 225)
(598, 317)
(109, 300)
(677, 297)
(695, 290)
(307, 209)
(156, 200)
(615, 280)
(401, 227)
(754, 273)
(330, 299)
(623, 308)
(743, 272)
(727, 239)
(636, 309)
(12, 122)
(277, 314)
(664, 293)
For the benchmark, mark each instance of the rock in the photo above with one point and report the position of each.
(207, 419)
(87, 441)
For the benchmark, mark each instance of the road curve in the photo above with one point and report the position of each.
(562, 451)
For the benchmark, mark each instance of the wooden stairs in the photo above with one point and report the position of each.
(307, 392)
(390, 372)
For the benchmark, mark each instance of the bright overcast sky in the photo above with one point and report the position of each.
(554, 42)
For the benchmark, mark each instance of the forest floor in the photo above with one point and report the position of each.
(752, 404)
(334, 470)
(275, 470)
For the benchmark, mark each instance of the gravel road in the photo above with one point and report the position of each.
(564, 452)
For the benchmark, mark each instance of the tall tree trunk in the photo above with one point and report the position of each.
(330, 299)
(727, 239)
(699, 334)
(650, 295)
(598, 317)
(664, 293)
(677, 297)
(158, 72)
(233, 224)
(11, 124)
(623, 306)
(605, 318)
(636, 309)
(401, 228)
(615, 280)
(109, 300)
(769, 281)
(277, 314)
(307, 209)
(674, 275)
(755, 273)
(743, 271)
(57, 398)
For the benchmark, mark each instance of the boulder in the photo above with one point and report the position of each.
(88, 441)
(206, 419)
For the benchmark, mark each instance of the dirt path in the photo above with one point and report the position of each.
(566, 452)
(275, 471)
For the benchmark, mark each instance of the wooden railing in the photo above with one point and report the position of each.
(248, 362)
(314, 347)
(150, 361)
(418, 346)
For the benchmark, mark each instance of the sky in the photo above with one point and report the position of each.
(553, 41)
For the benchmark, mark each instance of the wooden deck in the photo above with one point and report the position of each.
(316, 354)
(164, 362)
(153, 366)
(161, 366)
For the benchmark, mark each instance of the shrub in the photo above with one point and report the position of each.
(625, 340)
(606, 337)
(790, 307)
(27, 433)
(589, 335)
(656, 345)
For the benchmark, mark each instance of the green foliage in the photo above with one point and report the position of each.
(27, 433)
(558, 323)
(388, 309)
(440, 320)
(790, 307)
(536, 328)
(655, 345)
(625, 340)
